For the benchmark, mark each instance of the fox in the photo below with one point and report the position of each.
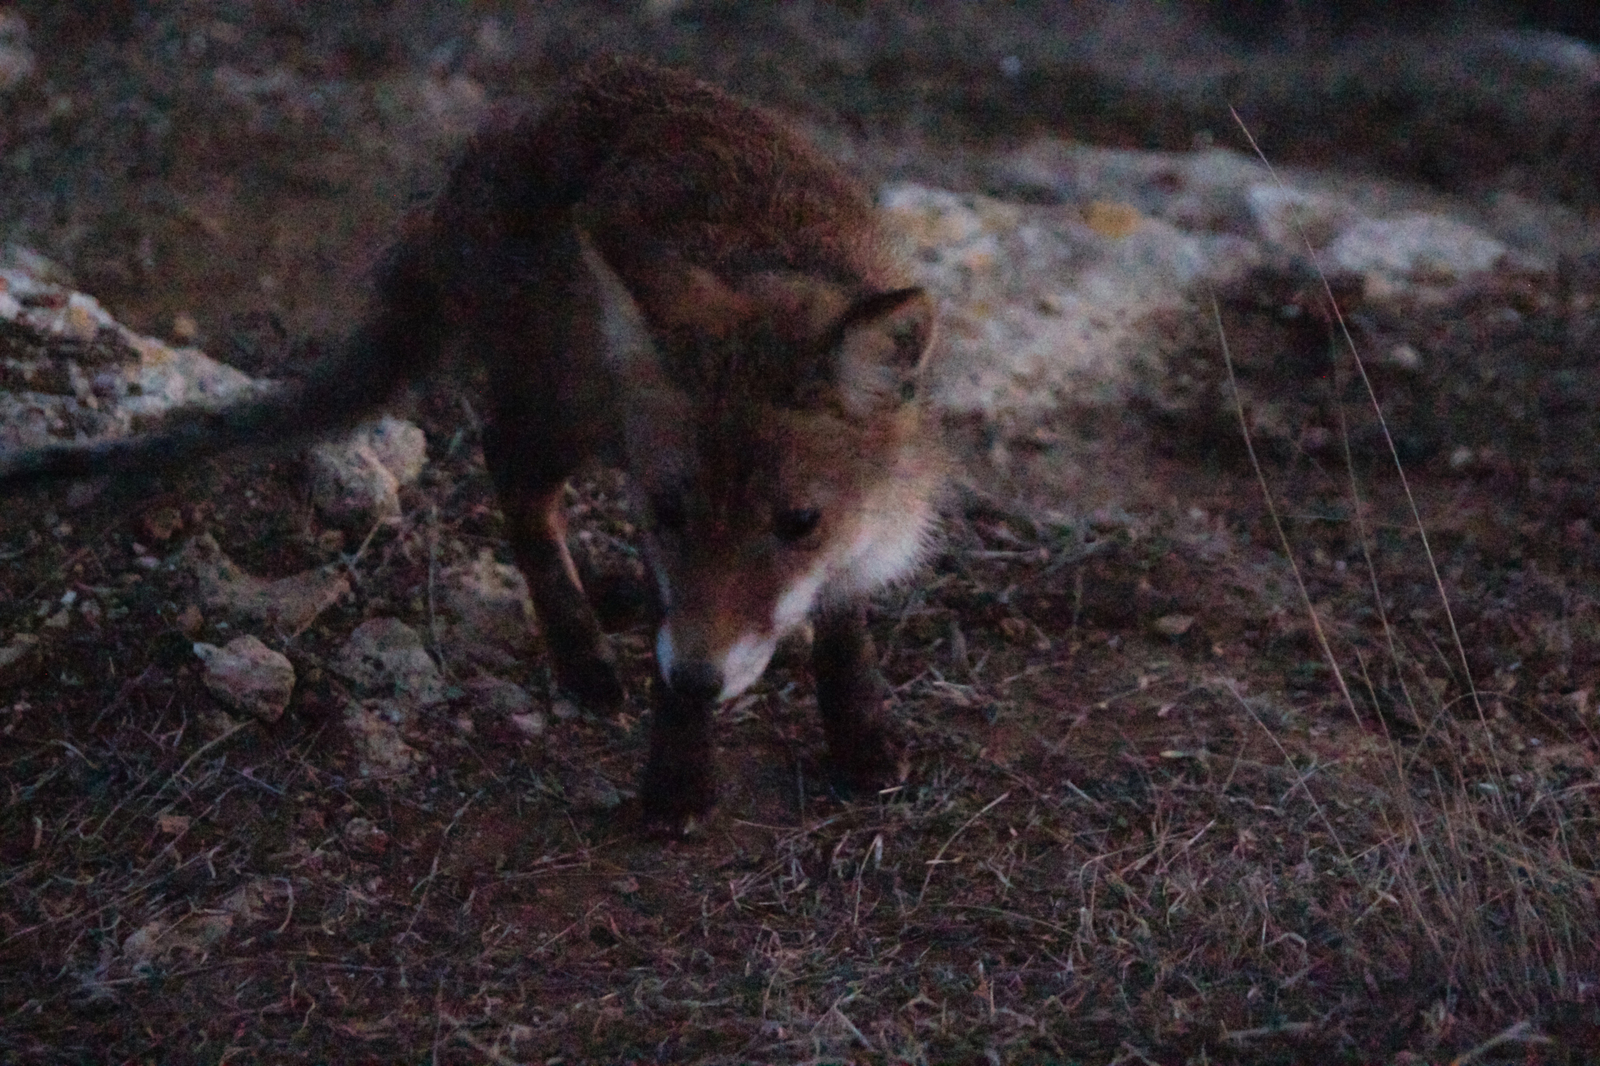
(658, 277)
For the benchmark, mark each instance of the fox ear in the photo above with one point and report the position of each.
(881, 345)
(628, 349)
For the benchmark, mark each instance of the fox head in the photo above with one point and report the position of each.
(777, 449)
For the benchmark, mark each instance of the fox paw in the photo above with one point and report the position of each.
(875, 758)
(591, 680)
(675, 800)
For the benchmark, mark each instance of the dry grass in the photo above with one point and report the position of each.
(1145, 825)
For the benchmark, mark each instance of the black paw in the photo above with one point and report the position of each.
(591, 680)
(676, 799)
(875, 757)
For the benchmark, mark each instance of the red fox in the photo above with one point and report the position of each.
(659, 277)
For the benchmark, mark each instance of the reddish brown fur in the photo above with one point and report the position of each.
(770, 388)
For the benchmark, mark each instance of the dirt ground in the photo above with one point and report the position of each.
(1178, 794)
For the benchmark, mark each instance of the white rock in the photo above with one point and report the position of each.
(386, 657)
(288, 604)
(1415, 247)
(456, 104)
(357, 480)
(16, 651)
(162, 941)
(529, 725)
(1038, 305)
(251, 901)
(1085, 301)
(248, 676)
(1288, 218)
(133, 375)
(363, 834)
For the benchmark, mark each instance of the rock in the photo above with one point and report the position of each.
(16, 58)
(161, 523)
(251, 900)
(15, 653)
(1415, 249)
(384, 656)
(161, 941)
(507, 702)
(1174, 625)
(375, 728)
(1290, 218)
(190, 620)
(591, 791)
(1039, 305)
(248, 676)
(529, 725)
(456, 104)
(196, 934)
(357, 481)
(497, 696)
(288, 604)
(1100, 293)
(365, 835)
(72, 372)
(488, 617)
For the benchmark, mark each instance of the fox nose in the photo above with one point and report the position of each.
(699, 682)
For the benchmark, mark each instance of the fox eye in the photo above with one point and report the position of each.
(796, 523)
(667, 510)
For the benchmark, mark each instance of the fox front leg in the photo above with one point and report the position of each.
(864, 747)
(530, 490)
(679, 782)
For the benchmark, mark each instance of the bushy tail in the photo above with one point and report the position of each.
(399, 343)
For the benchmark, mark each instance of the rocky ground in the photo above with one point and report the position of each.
(1252, 693)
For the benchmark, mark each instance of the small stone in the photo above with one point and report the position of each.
(16, 651)
(289, 604)
(160, 523)
(1405, 357)
(529, 725)
(17, 62)
(1111, 219)
(1174, 625)
(251, 900)
(362, 834)
(185, 330)
(357, 481)
(248, 676)
(591, 791)
(190, 620)
(491, 619)
(1016, 630)
(498, 696)
(386, 657)
(374, 727)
